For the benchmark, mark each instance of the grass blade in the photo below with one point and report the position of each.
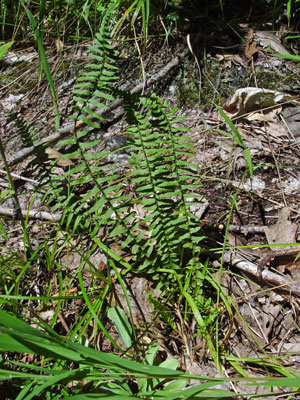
(4, 48)
(237, 138)
(44, 62)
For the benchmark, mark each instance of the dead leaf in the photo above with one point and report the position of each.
(140, 305)
(246, 100)
(284, 231)
(268, 39)
(117, 250)
(291, 118)
(59, 45)
(270, 315)
(258, 116)
(56, 155)
(229, 59)
(291, 347)
(294, 267)
(276, 130)
(250, 48)
(68, 292)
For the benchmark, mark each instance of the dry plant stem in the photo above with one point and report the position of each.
(63, 322)
(288, 129)
(258, 324)
(141, 58)
(68, 128)
(188, 39)
(253, 70)
(280, 282)
(164, 27)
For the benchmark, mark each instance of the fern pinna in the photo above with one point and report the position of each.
(103, 195)
(166, 234)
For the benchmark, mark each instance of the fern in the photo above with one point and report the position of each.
(168, 234)
(94, 88)
(162, 176)
(25, 130)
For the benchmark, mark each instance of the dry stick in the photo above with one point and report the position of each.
(69, 126)
(19, 177)
(36, 214)
(284, 284)
(246, 228)
(33, 214)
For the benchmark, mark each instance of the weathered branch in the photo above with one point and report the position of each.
(32, 214)
(276, 280)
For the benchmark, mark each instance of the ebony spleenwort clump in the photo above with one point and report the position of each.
(164, 180)
(167, 235)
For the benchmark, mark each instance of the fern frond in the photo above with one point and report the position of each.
(103, 201)
(162, 175)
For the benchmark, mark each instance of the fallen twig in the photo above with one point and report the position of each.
(23, 178)
(280, 282)
(32, 214)
(246, 228)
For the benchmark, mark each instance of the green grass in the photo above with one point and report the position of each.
(104, 374)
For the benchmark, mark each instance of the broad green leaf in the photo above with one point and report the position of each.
(120, 320)
(4, 48)
(3, 231)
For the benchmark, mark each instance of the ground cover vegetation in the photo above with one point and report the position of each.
(112, 220)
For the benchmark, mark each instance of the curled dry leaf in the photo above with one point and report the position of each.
(267, 39)
(56, 155)
(250, 99)
(229, 60)
(269, 116)
(284, 231)
(59, 45)
(250, 48)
